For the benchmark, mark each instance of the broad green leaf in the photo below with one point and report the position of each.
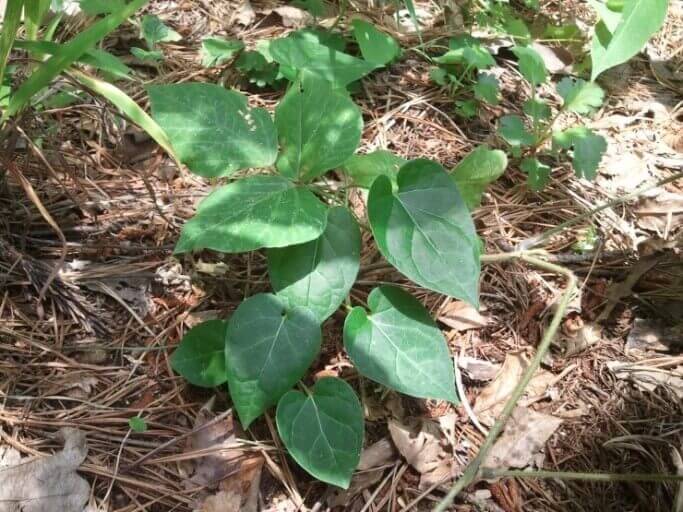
(257, 68)
(323, 430)
(639, 21)
(363, 169)
(476, 171)
(334, 40)
(537, 109)
(318, 8)
(319, 274)
(538, 174)
(439, 76)
(154, 31)
(149, 55)
(531, 65)
(514, 132)
(486, 89)
(255, 212)
(304, 55)
(69, 52)
(319, 128)
(96, 7)
(216, 50)
(200, 357)
(468, 50)
(375, 46)
(588, 147)
(213, 130)
(269, 348)
(580, 96)
(425, 229)
(467, 109)
(398, 345)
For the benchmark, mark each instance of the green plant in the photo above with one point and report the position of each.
(419, 219)
(529, 137)
(154, 31)
(462, 70)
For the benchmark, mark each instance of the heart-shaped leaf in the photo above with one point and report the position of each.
(255, 212)
(319, 128)
(269, 348)
(425, 229)
(399, 345)
(363, 169)
(323, 431)
(531, 65)
(200, 357)
(319, 274)
(329, 64)
(476, 171)
(376, 46)
(213, 130)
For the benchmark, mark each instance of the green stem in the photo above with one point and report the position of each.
(570, 475)
(472, 470)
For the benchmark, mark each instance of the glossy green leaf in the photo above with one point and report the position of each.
(580, 96)
(640, 20)
(323, 430)
(213, 130)
(254, 212)
(468, 50)
(319, 128)
(375, 46)
(305, 55)
(269, 348)
(216, 50)
(425, 229)
(514, 132)
(531, 65)
(363, 169)
(319, 274)
(200, 357)
(476, 171)
(538, 174)
(588, 148)
(486, 88)
(154, 31)
(398, 345)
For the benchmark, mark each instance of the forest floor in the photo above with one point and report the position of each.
(95, 351)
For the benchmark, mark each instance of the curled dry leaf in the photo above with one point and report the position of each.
(424, 446)
(49, 483)
(229, 468)
(648, 378)
(461, 316)
(523, 439)
(492, 398)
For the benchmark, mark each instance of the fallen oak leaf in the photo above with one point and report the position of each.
(49, 483)
(462, 316)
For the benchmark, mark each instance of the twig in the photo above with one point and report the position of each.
(472, 470)
(570, 475)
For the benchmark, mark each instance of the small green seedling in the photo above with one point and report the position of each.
(154, 31)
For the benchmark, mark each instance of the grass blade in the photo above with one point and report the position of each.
(9, 31)
(70, 52)
(34, 12)
(128, 107)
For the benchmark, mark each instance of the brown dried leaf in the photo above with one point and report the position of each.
(461, 316)
(524, 437)
(422, 444)
(660, 213)
(245, 14)
(49, 483)
(293, 16)
(492, 398)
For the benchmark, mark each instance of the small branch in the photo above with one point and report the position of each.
(472, 470)
(570, 475)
